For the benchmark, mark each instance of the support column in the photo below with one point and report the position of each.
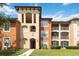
(32, 18)
(59, 34)
(24, 17)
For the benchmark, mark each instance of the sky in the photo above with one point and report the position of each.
(57, 11)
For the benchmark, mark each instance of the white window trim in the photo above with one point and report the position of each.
(4, 39)
(8, 30)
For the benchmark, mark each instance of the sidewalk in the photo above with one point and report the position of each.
(27, 53)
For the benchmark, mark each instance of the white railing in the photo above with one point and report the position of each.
(64, 37)
(55, 28)
(55, 37)
(64, 28)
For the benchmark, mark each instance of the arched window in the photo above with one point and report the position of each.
(28, 18)
(33, 29)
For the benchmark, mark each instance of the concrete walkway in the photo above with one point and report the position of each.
(27, 53)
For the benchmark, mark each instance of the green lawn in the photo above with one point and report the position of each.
(55, 52)
(12, 52)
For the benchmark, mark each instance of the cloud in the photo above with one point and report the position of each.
(8, 10)
(36, 4)
(61, 16)
(56, 17)
(64, 4)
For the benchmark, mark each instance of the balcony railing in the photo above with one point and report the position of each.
(55, 28)
(64, 28)
(55, 37)
(33, 30)
(64, 37)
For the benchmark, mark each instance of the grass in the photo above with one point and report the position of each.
(55, 52)
(12, 52)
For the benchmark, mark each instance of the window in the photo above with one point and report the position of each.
(22, 18)
(44, 23)
(6, 26)
(44, 33)
(28, 18)
(7, 41)
(77, 43)
(33, 29)
(55, 43)
(34, 18)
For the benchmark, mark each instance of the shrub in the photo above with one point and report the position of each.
(57, 47)
(72, 47)
(44, 46)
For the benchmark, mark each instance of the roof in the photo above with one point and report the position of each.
(67, 20)
(28, 6)
(74, 19)
(46, 18)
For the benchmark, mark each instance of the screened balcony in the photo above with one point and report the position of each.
(55, 26)
(64, 26)
(55, 35)
(64, 35)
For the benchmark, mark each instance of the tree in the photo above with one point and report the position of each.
(2, 4)
(3, 17)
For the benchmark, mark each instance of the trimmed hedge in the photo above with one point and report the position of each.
(57, 47)
(72, 47)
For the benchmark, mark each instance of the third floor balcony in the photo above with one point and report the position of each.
(55, 26)
(64, 26)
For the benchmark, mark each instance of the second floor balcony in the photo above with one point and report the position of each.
(64, 35)
(55, 35)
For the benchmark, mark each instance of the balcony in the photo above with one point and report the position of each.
(64, 35)
(55, 26)
(55, 35)
(64, 26)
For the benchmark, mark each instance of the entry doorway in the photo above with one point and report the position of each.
(32, 43)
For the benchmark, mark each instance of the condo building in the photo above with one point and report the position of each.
(31, 31)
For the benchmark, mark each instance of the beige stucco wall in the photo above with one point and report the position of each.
(73, 32)
(25, 33)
